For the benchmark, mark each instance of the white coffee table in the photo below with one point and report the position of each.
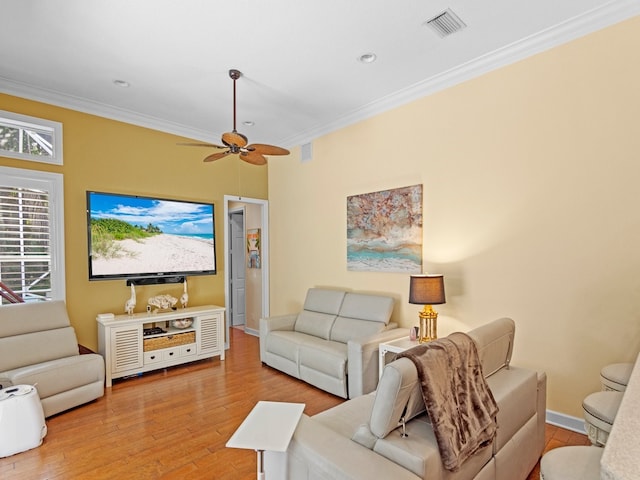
(393, 346)
(269, 426)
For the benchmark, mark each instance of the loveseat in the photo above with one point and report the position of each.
(333, 342)
(38, 346)
(362, 438)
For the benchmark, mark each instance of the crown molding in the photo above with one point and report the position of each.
(609, 14)
(597, 19)
(83, 105)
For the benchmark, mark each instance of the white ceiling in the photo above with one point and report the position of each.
(301, 77)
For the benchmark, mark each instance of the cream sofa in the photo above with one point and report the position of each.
(361, 438)
(333, 342)
(38, 346)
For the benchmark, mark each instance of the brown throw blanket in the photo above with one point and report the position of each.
(461, 406)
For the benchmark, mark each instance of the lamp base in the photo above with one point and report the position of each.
(428, 324)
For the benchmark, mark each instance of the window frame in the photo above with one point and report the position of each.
(54, 185)
(24, 121)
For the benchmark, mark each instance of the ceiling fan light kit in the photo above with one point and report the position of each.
(235, 143)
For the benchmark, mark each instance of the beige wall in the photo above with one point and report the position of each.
(531, 203)
(105, 155)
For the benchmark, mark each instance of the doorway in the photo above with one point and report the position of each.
(246, 291)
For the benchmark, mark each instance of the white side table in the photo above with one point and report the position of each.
(269, 426)
(394, 346)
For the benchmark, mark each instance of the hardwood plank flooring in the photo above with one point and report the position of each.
(174, 423)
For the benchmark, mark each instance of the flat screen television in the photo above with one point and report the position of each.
(146, 238)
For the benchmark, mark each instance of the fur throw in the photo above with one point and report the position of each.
(460, 405)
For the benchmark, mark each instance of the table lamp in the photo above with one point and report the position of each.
(427, 290)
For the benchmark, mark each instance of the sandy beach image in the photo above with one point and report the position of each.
(158, 253)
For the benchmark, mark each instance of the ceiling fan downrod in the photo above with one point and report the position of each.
(235, 75)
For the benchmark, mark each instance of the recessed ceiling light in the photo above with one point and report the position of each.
(367, 58)
(121, 83)
(248, 123)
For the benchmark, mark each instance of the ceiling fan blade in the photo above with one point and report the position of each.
(217, 156)
(196, 144)
(267, 149)
(234, 138)
(253, 157)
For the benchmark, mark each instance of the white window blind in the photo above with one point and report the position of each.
(28, 235)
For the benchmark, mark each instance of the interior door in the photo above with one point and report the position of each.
(238, 268)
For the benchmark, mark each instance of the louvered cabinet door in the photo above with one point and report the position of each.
(126, 348)
(210, 339)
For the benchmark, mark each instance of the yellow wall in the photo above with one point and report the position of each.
(531, 206)
(110, 156)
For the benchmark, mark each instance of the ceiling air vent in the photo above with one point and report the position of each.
(446, 23)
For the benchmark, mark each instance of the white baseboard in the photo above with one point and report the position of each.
(251, 331)
(574, 424)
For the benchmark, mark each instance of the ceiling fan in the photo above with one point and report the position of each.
(235, 143)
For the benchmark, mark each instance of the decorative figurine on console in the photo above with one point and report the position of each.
(184, 299)
(163, 302)
(130, 304)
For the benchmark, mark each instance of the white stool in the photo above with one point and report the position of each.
(600, 409)
(616, 376)
(571, 463)
(22, 425)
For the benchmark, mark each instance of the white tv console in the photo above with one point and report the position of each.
(127, 351)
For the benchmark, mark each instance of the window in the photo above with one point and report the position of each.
(32, 234)
(29, 138)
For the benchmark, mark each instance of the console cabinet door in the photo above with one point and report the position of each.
(209, 335)
(126, 348)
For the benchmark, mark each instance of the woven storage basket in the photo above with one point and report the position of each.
(168, 341)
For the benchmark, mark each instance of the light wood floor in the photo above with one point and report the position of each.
(173, 424)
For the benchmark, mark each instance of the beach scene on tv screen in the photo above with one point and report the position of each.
(133, 235)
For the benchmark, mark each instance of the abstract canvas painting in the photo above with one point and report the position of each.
(384, 231)
(253, 248)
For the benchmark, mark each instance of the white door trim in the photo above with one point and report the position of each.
(264, 240)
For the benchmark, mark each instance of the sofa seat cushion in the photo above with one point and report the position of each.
(419, 453)
(56, 376)
(515, 391)
(324, 356)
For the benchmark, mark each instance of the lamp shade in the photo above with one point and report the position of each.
(426, 289)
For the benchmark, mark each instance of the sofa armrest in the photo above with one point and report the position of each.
(270, 324)
(362, 360)
(317, 452)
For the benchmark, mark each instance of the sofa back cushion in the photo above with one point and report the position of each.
(374, 308)
(494, 342)
(399, 394)
(321, 307)
(345, 329)
(32, 333)
(361, 315)
(399, 391)
(20, 318)
(37, 347)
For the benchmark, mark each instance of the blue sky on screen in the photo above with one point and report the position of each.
(173, 217)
